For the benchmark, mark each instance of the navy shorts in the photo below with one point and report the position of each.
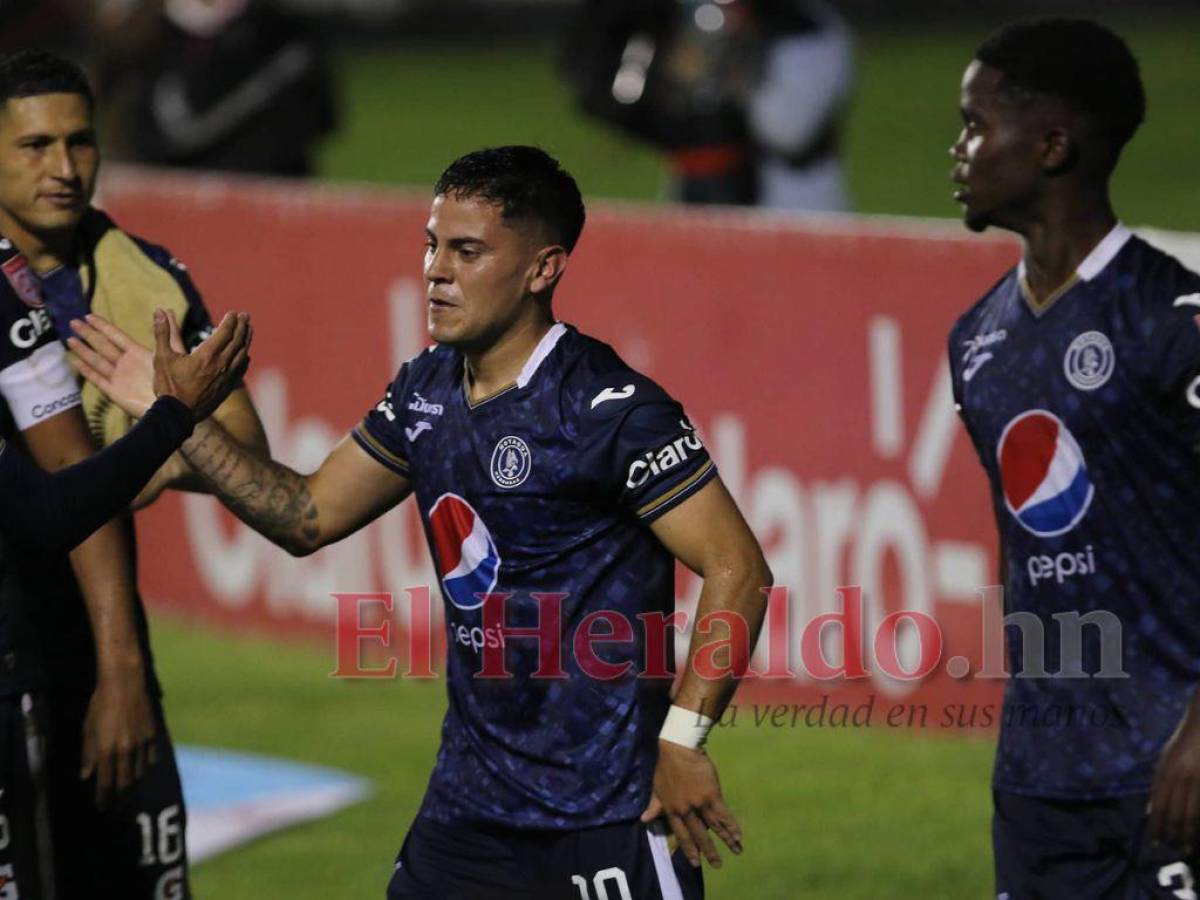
(627, 861)
(135, 849)
(1094, 850)
(24, 820)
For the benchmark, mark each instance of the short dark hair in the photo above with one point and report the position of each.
(30, 72)
(525, 182)
(1077, 61)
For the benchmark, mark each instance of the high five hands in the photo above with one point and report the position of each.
(133, 375)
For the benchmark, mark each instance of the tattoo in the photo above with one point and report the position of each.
(269, 497)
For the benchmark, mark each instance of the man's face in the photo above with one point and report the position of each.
(998, 157)
(478, 270)
(48, 164)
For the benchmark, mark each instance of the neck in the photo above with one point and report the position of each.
(498, 365)
(1061, 239)
(43, 251)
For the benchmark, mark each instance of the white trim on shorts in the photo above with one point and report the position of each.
(668, 881)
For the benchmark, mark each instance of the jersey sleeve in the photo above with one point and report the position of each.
(958, 357)
(36, 380)
(197, 323)
(1174, 353)
(381, 431)
(640, 445)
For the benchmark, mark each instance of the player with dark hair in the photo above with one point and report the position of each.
(1078, 378)
(59, 259)
(55, 512)
(559, 483)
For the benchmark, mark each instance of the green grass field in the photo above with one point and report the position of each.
(828, 814)
(411, 108)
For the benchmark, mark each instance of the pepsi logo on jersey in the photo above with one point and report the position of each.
(1046, 483)
(466, 554)
(1047, 489)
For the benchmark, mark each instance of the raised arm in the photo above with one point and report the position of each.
(300, 513)
(707, 534)
(58, 510)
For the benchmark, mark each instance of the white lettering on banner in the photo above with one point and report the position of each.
(236, 564)
(817, 535)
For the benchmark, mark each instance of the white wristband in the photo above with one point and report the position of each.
(686, 727)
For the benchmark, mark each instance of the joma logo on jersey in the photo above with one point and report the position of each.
(421, 405)
(25, 332)
(975, 356)
(653, 463)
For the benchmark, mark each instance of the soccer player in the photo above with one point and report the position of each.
(543, 467)
(58, 511)
(62, 257)
(1078, 378)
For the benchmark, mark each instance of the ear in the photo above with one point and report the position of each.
(547, 268)
(1060, 150)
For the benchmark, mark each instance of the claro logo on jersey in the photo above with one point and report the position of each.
(25, 332)
(653, 463)
(1047, 489)
(466, 554)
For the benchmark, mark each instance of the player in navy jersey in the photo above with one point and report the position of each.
(549, 473)
(110, 764)
(55, 512)
(1078, 378)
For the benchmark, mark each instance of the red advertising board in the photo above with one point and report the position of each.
(810, 353)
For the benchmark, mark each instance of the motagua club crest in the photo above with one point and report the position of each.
(511, 462)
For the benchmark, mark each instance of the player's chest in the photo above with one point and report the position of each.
(510, 458)
(1074, 368)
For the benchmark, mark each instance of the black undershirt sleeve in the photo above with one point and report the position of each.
(58, 510)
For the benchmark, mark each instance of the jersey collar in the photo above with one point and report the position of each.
(1093, 264)
(540, 352)
(549, 340)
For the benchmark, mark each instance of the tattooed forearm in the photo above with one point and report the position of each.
(269, 497)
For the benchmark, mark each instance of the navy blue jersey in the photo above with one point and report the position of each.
(124, 278)
(36, 384)
(547, 486)
(1086, 415)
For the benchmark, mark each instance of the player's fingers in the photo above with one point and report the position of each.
(176, 333)
(724, 824)
(686, 843)
(91, 374)
(700, 836)
(111, 332)
(104, 777)
(96, 340)
(139, 761)
(123, 769)
(1174, 812)
(1191, 822)
(162, 336)
(98, 363)
(653, 809)
(237, 342)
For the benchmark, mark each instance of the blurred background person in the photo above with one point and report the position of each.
(746, 97)
(234, 85)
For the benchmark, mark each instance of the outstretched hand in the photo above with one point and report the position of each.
(688, 793)
(133, 375)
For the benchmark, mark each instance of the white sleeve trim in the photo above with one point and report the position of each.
(40, 386)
